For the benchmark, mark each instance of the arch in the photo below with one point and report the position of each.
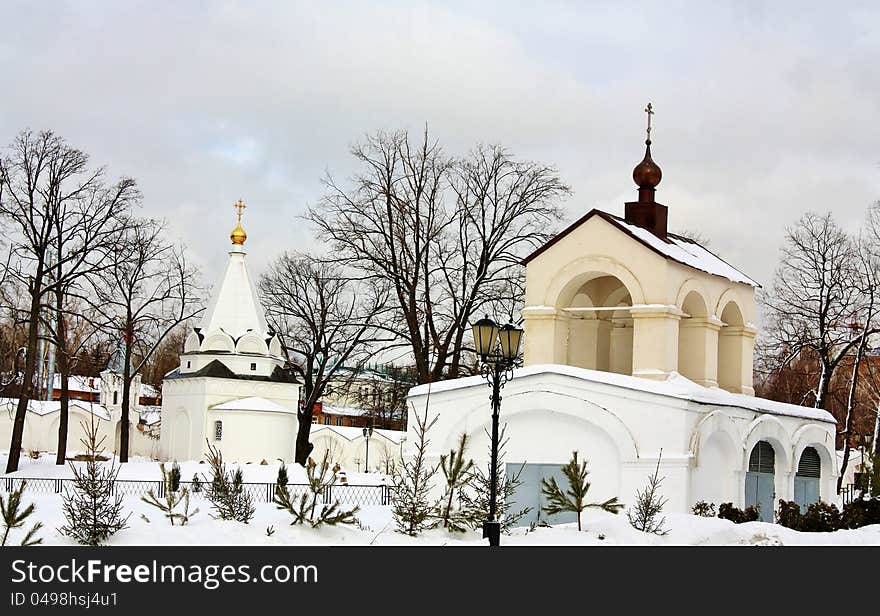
(600, 340)
(570, 405)
(192, 343)
(691, 285)
(572, 277)
(275, 346)
(716, 421)
(822, 441)
(769, 428)
(326, 440)
(251, 343)
(694, 339)
(729, 296)
(218, 341)
(731, 353)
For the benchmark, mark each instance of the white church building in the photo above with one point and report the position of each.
(231, 390)
(639, 341)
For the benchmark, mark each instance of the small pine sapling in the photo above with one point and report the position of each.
(412, 506)
(226, 491)
(306, 510)
(173, 477)
(196, 484)
(458, 474)
(573, 499)
(92, 511)
(476, 498)
(15, 517)
(172, 499)
(649, 505)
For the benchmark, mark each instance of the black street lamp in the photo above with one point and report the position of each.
(368, 432)
(498, 349)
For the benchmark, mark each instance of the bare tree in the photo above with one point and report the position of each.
(147, 290)
(325, 320)
(815, 300)
(444, 234)
(60, 214)
(868, 282)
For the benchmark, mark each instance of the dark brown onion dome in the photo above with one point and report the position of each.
(647, 174)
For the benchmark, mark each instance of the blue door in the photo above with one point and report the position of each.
(760, 480)
(806, 480)
(528, 494)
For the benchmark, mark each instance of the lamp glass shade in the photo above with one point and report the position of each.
(485, 335)
(509, 337)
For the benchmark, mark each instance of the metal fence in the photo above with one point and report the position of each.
(346, 494)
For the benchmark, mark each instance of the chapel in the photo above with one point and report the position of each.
(638, 351)
(231, 390)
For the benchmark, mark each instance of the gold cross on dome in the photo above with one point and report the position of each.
(650, 111)
(240, 206)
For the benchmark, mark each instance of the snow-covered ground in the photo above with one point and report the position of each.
(377, 528)
(147, 526)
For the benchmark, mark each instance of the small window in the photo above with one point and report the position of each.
(339, 421)
(188, 364)
(253, 366)
(115, 397)
(326, 421)
(218, 430)
(314, 419)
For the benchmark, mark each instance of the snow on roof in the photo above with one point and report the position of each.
(332, 409)
(678, 248)
(675, 386)
(92, 384)
(690, 253)
(351, 433)
(252, 403)
(150, 415)
(45, 407)
(76, 382)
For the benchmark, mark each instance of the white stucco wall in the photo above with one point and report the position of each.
(251, 437)
(551, 410)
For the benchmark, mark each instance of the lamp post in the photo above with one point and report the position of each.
(498, 349)
(368, 432)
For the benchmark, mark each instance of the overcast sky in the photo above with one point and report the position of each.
(763, 110)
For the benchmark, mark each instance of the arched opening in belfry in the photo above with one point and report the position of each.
(694, 340)
(600, 333)
(730, 349)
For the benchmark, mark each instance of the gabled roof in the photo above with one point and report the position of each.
(675, 247)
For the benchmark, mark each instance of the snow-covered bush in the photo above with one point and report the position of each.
(726, 511)
(704, 509)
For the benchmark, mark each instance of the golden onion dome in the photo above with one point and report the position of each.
(238, 235)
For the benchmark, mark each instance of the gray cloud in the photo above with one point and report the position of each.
(763, 110)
